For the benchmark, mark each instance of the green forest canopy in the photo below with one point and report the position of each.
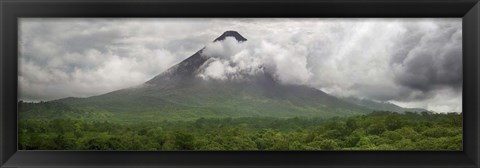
(375, 131)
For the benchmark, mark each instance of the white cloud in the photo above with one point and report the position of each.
(444, 101)
(234, 59)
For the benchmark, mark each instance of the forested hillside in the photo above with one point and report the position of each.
(375, 131)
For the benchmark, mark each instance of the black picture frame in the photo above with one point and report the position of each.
(11, 10)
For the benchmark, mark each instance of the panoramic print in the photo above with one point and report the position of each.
(236, 84)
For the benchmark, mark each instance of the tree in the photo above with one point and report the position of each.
(268, 139)
(324, 144)
(393, 122)
(368, 142)
(184, 140)
(376, 128)
(157, 137)
(409, 133)
(353, 139)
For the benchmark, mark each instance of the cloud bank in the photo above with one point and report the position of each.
(410, 62)
(235, 60)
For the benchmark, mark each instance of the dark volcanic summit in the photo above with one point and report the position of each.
(188, 67)
(231, 33)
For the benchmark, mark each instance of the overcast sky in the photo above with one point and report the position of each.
(409, 62)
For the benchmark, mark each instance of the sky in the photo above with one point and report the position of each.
(414, 62)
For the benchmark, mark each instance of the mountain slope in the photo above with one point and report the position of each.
(179, 92)
(381, 106)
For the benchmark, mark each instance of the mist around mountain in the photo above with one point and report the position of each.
(182, 92)
(191, 106)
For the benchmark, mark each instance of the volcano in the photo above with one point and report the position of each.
(180, 93)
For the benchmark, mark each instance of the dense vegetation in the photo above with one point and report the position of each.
(375, 131)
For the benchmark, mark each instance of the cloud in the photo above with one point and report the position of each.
(432, 60)
(219, 69)
(445, 100)
(224, 49)
(235, 60)
(231, 60)
(412, 62)
(85, 57)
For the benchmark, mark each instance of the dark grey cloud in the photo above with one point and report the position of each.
(431, 59)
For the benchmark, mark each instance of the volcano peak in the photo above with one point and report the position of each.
(231, 33)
